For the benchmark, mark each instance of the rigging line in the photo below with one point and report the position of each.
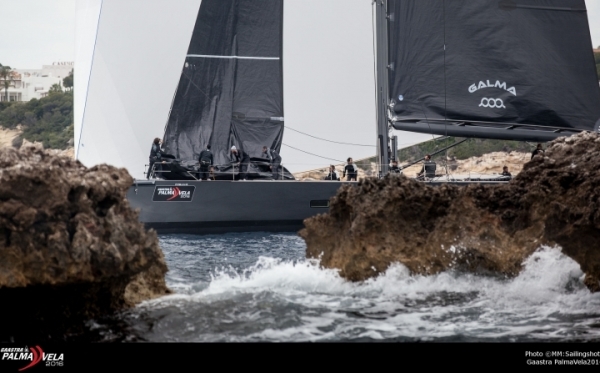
(171, 107)
(331, 159)
(195, 85)
(427, 120)
(319, 138)
(88, 86)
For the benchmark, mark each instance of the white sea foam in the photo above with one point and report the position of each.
(282, 300)
(279, 276)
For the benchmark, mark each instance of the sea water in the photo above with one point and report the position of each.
(259, 287)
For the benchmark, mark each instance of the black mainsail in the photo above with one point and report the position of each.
(231, 86)
(519, 70)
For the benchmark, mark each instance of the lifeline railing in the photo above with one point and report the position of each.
(443, 172)
(154, 171)
(448, 175)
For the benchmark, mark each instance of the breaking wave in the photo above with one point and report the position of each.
(293, 299)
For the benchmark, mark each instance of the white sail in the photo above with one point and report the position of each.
(86, 24)
(140, 47)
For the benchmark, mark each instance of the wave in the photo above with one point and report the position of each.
(297, 300)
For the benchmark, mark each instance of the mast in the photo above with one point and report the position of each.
(381, 20)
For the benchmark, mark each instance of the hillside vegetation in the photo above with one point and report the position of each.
(48, 120)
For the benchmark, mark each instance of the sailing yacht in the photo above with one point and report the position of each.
(230, 93)
(488, 69)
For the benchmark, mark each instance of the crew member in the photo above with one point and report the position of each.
(505, 172)
(242, 159)
(206, 161)
(274, 159)
(428, 169)
(538, 150)
(155, 156)
(332, 175)
(350, 170)
(394, 169)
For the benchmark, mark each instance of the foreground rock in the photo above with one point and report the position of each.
(554, 200)
(71, 249)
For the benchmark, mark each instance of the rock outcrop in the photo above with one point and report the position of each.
(71, 248)
(554, 200)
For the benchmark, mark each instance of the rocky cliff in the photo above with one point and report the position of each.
(554, 200)
(71, 249)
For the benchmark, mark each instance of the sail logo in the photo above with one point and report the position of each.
(173, 193)
(492, 103)
(487, 84)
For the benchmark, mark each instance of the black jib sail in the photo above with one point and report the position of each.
(509, 69)
(231, 86)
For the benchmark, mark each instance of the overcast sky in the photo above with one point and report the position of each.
(39, 32)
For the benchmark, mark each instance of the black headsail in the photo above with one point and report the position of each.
(231, 86)
(507, 69)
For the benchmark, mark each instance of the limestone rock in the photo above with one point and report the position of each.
(71, 248)
(554, 200)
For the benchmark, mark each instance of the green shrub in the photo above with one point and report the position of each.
(48, 120)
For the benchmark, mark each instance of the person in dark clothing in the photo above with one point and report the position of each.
(537, 151)
(394, 169)
(428, 169)
(505, 172)
(242, 159)
(206, 161)
(332, 175)
(155, 157)
(275, 160)
(350, 170)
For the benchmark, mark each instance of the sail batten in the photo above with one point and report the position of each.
(234, 57)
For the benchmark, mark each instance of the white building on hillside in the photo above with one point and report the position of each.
(35, 83)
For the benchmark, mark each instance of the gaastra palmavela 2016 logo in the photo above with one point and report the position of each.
(492, 102)
(34, 355)
(180, 193)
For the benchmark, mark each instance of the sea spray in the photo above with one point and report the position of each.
(286, 299)
(478, 228)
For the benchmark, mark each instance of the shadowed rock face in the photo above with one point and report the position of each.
(71, 248)
(554, 200)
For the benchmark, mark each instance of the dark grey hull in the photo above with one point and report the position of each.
(232, 206)
(235, 206)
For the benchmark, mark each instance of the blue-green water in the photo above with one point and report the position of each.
(259, 287)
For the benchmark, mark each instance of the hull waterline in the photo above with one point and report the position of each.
(210, 207)
(230, 206)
